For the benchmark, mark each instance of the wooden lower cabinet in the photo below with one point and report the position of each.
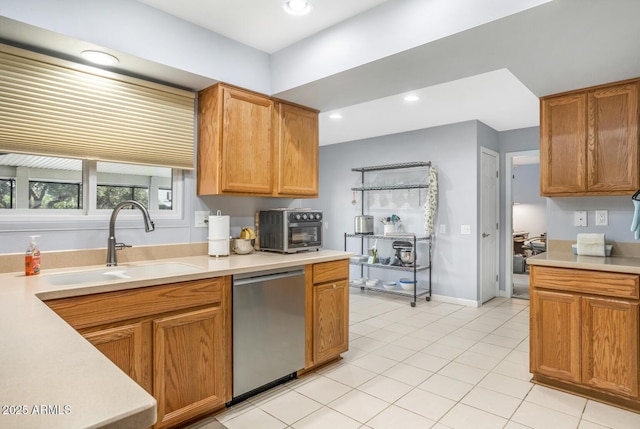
(189, 362)
(174, 340)
(331, 320)
(129, 347)
(610, 345)
(327, 322)
(586, 342)
(555, 330)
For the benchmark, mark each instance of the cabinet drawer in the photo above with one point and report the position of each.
(328, 271)
(91, 310)
(585, 281)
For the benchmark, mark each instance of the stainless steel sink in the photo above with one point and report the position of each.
(121, 272)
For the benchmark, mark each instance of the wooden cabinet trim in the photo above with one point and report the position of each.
(602, 283)
(98, 309)
(329, 271)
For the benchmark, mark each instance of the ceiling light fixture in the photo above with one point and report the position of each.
(411, 98)
(297, 7)
(98, 57)
(335, 116)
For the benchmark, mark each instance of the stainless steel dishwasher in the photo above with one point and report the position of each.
(268, 329)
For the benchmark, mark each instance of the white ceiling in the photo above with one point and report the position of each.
(498, 99)
(488, 60)
(262, 24)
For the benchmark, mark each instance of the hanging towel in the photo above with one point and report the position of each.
(431, 205)
(635, 224)
(591, 244)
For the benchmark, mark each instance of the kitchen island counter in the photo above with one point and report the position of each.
(561, 259)
(54, 378)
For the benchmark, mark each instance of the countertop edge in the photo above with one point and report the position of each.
(596, 263)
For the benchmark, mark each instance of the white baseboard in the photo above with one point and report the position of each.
(452, 300)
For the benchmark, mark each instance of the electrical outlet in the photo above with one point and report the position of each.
(443, 228)
(602, 217)
(580, 218)
(465, 229)
(202, 219)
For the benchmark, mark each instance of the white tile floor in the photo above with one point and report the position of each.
(433, 366)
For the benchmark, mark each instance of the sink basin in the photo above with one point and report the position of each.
(123, 272)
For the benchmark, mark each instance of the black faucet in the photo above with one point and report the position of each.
(112, 246)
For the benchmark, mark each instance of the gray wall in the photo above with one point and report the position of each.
(530, 214)
(453, 150)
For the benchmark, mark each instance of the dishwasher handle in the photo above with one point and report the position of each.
(264, 277)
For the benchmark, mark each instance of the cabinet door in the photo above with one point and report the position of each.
(555, 335)
(247, 141)
(191, 370)
(610, 345)
(128, 347)
(563, 144)
(297, 151)
(613, 138)
(330, 320)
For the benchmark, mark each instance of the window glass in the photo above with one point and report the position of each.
(54, 195)
(40, 182)
(146, 184)
(7, 193)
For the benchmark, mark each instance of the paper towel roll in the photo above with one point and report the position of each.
(219, 231)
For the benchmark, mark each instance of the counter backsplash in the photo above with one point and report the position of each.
(14, 262)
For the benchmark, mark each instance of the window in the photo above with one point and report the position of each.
(7, 193)
(35, 184)
(54, 195)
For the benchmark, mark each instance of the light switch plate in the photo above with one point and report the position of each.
(580, 218)
(465, 229)
(201, 220)
(602, 217)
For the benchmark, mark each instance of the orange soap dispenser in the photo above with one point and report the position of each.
(32, 258)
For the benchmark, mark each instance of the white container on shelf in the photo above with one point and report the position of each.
(219, 232)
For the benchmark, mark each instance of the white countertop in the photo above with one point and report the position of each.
(56, 379)
(598, 263)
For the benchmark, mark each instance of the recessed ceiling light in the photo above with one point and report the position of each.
(99, 57)
(335, 116)
(297, 7)
(411, 98)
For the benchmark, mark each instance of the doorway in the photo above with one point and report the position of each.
(525, 218)
(489, 224)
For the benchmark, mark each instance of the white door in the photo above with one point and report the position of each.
(489, 228)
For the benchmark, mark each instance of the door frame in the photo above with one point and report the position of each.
(508, 217)
(484, 150)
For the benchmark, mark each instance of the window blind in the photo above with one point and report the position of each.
(58, 108)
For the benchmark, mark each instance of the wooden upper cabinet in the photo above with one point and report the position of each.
(589, 141)
(613, 139)
(249, 144)
(297, 173)
(563, 149)
(236, 138)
